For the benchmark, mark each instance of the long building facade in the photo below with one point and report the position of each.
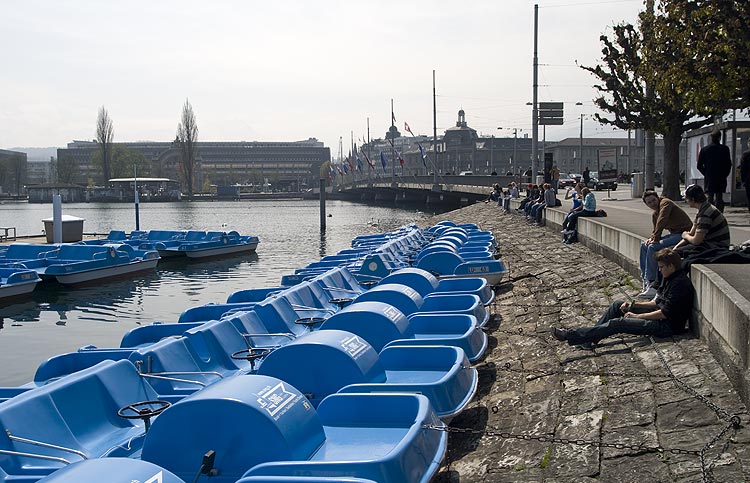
(286, 165)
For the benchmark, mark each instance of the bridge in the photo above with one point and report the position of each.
(448, 190)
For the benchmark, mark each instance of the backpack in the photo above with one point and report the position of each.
(558, 202)
(601, 213)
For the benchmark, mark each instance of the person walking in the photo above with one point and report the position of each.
(586, 176)
(715, 163)
(555, 175)
(666, 216)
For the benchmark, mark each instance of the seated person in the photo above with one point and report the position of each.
(548, 199)
(710, 229)
(588, 208)
(666, 216)
(664, 316)
(494, 194)
(532, 195)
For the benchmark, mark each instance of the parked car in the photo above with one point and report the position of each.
(597, 185)
(568, 180)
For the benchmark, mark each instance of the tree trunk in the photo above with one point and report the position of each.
(671, 174)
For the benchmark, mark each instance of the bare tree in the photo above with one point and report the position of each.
(105, 133)
(187, 139)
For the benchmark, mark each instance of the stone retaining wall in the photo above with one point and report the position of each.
(721, 316)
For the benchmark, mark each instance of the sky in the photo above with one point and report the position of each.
(288, 70)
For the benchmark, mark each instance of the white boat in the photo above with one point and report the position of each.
(17, 281)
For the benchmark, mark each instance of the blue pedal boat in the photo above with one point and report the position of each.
(383, 325)
(441, 373)
(78, 263)
(15, 282)
(260, 426)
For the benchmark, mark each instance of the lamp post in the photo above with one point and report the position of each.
(580, 143)
(513, 159)
(492, 152)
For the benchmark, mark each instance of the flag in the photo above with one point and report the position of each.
(383, 160)
(407, 129)
(393, 118)
(333, 171)
(367, 158)
(346, 168)
(349, 162)
(424, 155)
(338, 168)
(400, 159)
(359, 163)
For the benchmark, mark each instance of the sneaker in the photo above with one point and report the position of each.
(559, 334)
(648, 293)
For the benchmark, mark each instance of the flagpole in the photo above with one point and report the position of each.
(393, 147)
(369, 151)
(434, 132)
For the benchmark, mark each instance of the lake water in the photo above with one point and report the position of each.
(57, 319)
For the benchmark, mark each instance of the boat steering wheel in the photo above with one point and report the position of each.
(341, 301)
(251, 354)
(309, 322)
(143, 410)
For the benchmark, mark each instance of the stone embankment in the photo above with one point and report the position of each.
(629, 410)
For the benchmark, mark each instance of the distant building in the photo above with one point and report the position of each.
(460, 149)
(287, 165)
(38, 172)
(12, 172)
(569, 157)
(69, 193)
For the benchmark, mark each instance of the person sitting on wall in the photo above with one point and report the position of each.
(666, 216)
(531, 196)
(664, 316)
(494, 194)
(710, 228)
(548, 199)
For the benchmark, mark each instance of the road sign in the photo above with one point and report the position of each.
(550, 113)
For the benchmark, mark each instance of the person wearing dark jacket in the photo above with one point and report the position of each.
(667, 314)
(715, 163)
(745, 175)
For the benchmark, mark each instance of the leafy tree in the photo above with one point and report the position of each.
(105, 133)
(187, 140)
(65, 169)
(124, 160)
(652, 76)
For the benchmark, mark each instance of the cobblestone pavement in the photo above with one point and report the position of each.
(549, 412)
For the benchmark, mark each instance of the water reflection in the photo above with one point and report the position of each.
(58, 319)
(323, 247)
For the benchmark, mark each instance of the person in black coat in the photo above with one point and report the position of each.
(715, 163)
(745, 174)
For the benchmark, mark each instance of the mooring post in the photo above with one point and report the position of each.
(322, 203)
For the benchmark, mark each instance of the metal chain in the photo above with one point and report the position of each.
(534, 374)
(551, 439)
(733, 420)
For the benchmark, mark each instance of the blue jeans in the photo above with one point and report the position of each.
(571, 221)
(648, 262)
(536, 212)
(612, 322)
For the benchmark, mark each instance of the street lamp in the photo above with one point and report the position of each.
(513, 159)
(580, 143)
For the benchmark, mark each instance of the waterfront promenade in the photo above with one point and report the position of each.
(546, 411)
